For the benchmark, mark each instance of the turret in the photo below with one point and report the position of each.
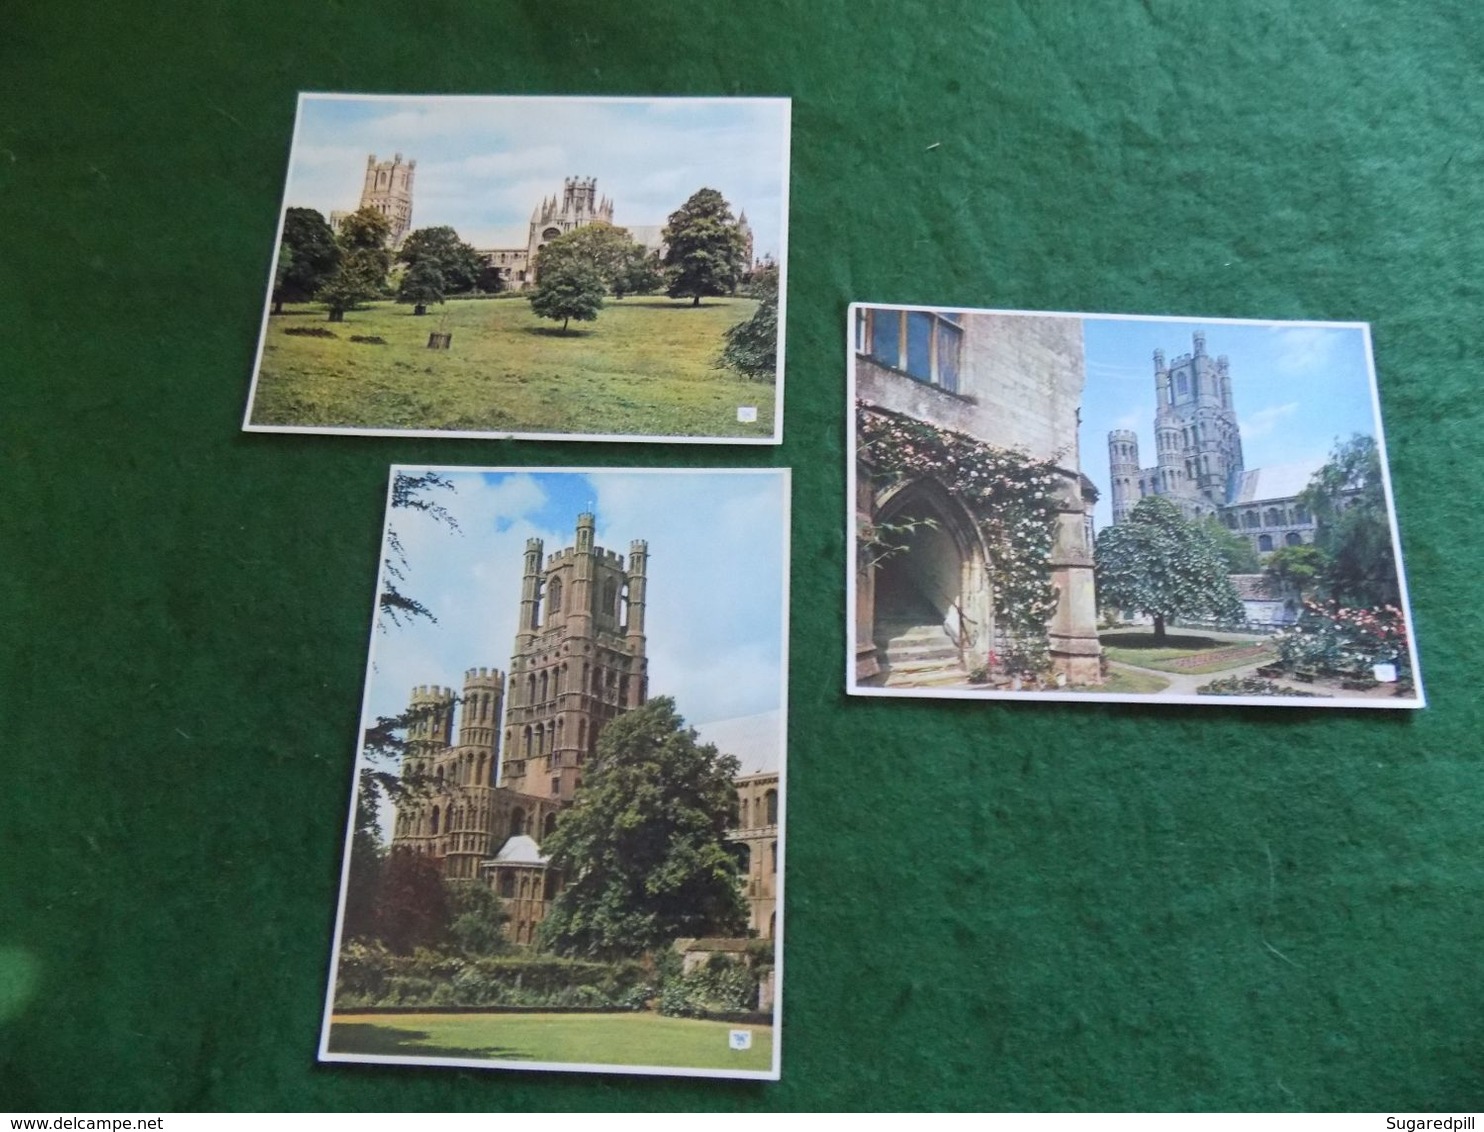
(1123, 468)
(638, 568)
(530, 594)
(479, 718)
(430, 730)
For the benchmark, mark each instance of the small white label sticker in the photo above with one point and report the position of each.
(746, 414)
(740, 1039)
(1384, 673)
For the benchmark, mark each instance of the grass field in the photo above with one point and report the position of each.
(596, 1039)
(646, 367)
(1124, 683)
(1186, 653)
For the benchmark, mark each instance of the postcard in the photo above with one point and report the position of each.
(565, 844)
(530, 267)
(1121, 508)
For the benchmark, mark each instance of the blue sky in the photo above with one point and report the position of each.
(1297, 388)
(484, 163)
(716, 593)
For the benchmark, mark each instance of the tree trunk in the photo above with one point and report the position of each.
(1159, 626)
(419, 308)
(564, 324)
(277, 306)
(696, 301)
(336, 315)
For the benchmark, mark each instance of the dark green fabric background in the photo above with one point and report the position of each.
(1006, 906)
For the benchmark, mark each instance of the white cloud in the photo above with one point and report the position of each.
(1265, 421)
(1304, 350)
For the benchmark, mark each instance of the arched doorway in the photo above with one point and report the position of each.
(929, 580)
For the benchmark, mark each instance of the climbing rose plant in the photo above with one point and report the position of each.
(1012, 498)
(1335, 639)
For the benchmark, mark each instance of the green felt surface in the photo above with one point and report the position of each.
(1005, 906)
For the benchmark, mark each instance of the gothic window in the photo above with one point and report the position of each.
(1249, 520)
(531, 688)
(1301, 514)
(1264, 543)
(926, 345)
(1293, 538)
(610, 596)
(744, 858)
(435, 819)
(1272, 518)
(548, 827)
(543, 687)
(554, 596)
(528, 739)
(770, 799)
(479, 778)
(507, 884)
(556, 784)
(582, 734)
(742, 814)
(1231, 520)
(1182, 386)
(773, 853)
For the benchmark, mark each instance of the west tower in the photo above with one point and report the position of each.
(579, 660)
(388, 190)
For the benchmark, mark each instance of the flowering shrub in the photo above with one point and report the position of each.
(1013, 500)
(1331, 638)
(1248, 686)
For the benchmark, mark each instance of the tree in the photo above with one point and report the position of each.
(476, 918)
(411, 909)
(1156, 563)
(312, 256)
(600, 246)
(1347, 498)
(1294, 570)
(364, 262)
(458, 265)
(1235, 551)
(752, 347)
(644, 848)
(639, 274)
(569, 289)
(423, 284)
(704, 248)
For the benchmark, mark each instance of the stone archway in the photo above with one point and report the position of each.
(929, 607)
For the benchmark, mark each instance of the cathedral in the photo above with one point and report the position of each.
(578, 663)
(1199, 465)
(579, 205)
(387, 189)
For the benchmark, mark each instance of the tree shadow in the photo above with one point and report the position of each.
(557, 332)
(395, 1041)
(668, 304)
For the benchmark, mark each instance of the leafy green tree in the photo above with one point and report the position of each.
(1347, 498)
(411, 908)
(458, 265)
(308, 256)
(569, 289)
(644, 848)
(364, 261)
(639, 274)
(423, 284)
(1235, 550)
(599, 246)
(1295, 569)
(751, 347)
(1156, 563)
(704, 248)
(477, 918)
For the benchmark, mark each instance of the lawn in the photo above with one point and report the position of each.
(1120, 682)
(596, 1039)
(1186, 653)
(646, 367)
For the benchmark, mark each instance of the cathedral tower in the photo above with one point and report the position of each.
(388, 190)
(1123, 463)
(1198, 445)
(419, 824)
(579, 660)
